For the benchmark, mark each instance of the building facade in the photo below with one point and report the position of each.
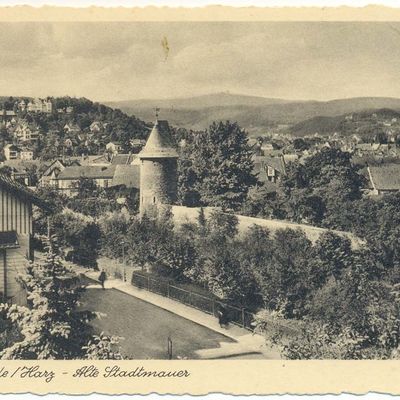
(15, 236)
(11, 152)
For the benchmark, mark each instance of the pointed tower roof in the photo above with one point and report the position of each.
(160, 143)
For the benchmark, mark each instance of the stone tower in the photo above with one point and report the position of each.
(158, 168)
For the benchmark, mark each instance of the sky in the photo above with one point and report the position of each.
(108, 61)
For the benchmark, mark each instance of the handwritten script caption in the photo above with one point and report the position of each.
(87, 372)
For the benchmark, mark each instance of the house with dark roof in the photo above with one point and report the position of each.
(72, 128)
(11, 152)
(23, 171)
(103, 159)
(384, 178)
(127, 176)
(68, 179)
(269, 168)
(50, 174)
(15, 236)
(122, 159)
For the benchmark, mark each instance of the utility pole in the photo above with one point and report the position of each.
(48, 228)
(123, 260)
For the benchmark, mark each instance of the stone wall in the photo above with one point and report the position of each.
(183, 215)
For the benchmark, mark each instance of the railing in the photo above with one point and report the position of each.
(235, 315)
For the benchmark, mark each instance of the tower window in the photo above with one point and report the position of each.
(154, 200)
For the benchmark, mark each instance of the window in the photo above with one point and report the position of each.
(270, 171)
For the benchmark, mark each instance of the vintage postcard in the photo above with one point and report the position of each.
(199, 200)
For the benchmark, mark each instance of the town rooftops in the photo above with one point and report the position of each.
(385, 177)
(87, 171)
(160, 143)
(21, 191)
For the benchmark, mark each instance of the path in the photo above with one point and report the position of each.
(144, 328)
(244, 342)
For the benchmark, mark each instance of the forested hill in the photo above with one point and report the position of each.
(363, 123)
(73, 118)
(255, 114)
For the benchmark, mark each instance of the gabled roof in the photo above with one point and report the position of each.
(122, 159)
(55, 164)
(21, 191)
(87, 171)
(127, 175)
(160, 143)
(385, 176)
(100, 160)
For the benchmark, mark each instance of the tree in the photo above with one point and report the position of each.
(103, 347)
(319, 190)
(262, 202)
(114, 229)
(216, 167)
(362, 323)
(332, 254)
(51, 327)
(224, 274)
(78, 236)
(283, 274)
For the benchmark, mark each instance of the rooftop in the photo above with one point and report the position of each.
(21, 191)
(122, 159)
(160, 143)
(88, 171)
(127, 175)
(385, 176)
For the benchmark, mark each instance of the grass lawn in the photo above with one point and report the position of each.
(145, 327)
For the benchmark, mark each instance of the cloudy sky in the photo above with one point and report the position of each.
(122, 61)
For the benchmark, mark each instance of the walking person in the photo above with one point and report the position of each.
(102, 278)
(222, 316)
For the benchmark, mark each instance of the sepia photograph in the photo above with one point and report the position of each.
(179, 190)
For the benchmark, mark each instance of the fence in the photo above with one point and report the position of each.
(235, 315)
(116, 268)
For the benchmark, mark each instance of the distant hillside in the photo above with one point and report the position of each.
(256, 114)
(204, 101)
(365, 122)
